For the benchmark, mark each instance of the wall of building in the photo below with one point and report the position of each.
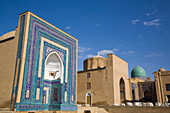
(97, 86)
(120, 70)
(133, 83)
(105, 83)
(123, 109)
(129, 109)
(8, 49)
(161, 79)
(108, 80)
(165, 76)
(147, 91)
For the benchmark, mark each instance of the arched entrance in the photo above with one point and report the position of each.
(122, 91)
(88, 99)
(148, 96)
(53, 75)
(133, 94)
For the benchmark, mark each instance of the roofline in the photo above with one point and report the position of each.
(92, 70)
(29, 12)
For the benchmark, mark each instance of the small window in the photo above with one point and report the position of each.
(88, 85)
(167, 87)
(88, 75)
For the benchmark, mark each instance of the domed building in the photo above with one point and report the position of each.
(145, 89)
(138, 72)
(104, 81)
(161, 69)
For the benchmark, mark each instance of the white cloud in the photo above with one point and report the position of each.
(90, 55)
(127, 52)
(152, 23)
(68, 27)
(149, 14)
(83, 49)
(115, 49)
(134, 21)
(105, 52)
(154, 54)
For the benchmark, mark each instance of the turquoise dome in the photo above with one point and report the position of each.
(138, 72)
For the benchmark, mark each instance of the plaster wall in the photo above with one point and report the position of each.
(157, 87)
(161, 79)
(96, 91)
(120, 70)
(8, 51)
(109, 90)
(165, 80)
(105, 82)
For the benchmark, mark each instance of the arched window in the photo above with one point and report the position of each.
(88, 99)
(122, 91)
(53, 67)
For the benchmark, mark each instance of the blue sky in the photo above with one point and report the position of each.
(138, 31)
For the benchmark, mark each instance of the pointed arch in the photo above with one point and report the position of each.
(88, 99)
(122, 91)
(54, 67)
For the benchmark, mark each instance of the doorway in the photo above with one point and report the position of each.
(88, 99)
(122, 91)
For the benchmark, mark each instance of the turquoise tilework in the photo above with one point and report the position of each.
(38, 29)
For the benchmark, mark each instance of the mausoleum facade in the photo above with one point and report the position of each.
(45, 68)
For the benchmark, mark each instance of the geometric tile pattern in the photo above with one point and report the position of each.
(38, 28)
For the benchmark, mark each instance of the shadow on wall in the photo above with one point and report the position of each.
(5, 104)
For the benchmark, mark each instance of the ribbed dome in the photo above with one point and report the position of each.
(138, 72)
(161, 69)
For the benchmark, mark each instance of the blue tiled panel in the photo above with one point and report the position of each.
(31, 82)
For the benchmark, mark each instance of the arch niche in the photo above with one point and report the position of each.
(54, 67)
(133, 94)
(148, 96)
(122, 91)
(54, 73)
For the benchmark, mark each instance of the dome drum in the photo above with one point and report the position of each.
(94, 62)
